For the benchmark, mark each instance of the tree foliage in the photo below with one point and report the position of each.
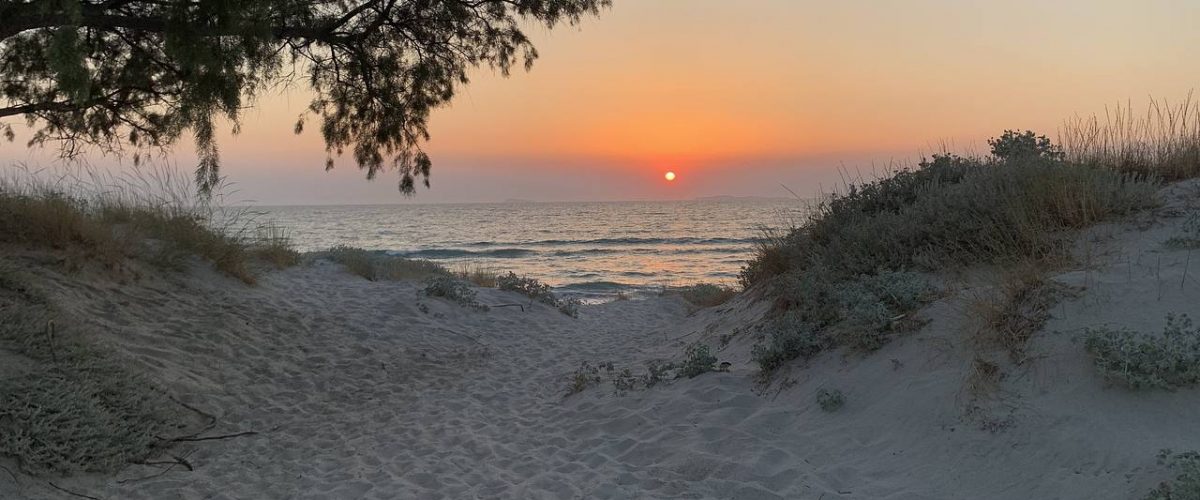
(138, 74)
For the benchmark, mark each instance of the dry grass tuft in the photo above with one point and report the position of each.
(161, 222)
(1018, 311)
(1163, 141)
(478, 274)
(704, 294)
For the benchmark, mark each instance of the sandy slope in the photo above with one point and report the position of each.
(355, 392)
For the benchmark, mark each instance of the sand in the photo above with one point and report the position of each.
(357, 389)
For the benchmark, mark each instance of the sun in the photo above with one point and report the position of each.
(670, 176)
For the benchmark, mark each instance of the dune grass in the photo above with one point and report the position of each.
(1018, 205)
(161, 223)
(1169, 360)
(1162, 141)
(379, 266)
(73, 408)
(703, 294)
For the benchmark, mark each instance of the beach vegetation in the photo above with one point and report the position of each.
(831, 400)
(1019, 309)
(379, 266)
(164, 225)
(1189, 236)
(852, 274)
(705, 294)
(453, 289)
(1186, 483)
(1167, 360)
(72, 407)
(538, 292)
(697, 359)
(478, 274)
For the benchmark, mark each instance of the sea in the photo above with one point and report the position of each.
(587, 249)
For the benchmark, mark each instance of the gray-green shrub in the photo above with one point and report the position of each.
(453, 289)
(376, 266)
(1186, 483)
(1166, 361)
(538, 291)
(77, 408)
(831, 400)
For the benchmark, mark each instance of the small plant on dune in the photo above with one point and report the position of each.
(1189, 237)
(787, 337)
(570, 306)
(705, 294)
(656, 373)
(538, 291)
(1166, 361)
(1020, 310)
(697, 359)
(1186, 483)
(478, 274)
(454, 290)
(831, 400)
(587, 375)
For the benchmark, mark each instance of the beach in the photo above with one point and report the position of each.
(316, 383)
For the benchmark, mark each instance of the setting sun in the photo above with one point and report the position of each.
(670, 176)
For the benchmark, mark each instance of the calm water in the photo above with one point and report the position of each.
(583, 248)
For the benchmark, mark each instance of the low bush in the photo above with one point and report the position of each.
(787, 337)
(1186, 483)
(1166, 361)
(454, 290)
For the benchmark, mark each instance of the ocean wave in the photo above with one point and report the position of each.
(453, 253)
(624, 241)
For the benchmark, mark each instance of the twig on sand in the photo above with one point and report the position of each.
(69, 492)
(473, 339)
(213, 438)
(522, 306)
(169, 465)
(10, 474)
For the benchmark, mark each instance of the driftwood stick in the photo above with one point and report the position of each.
(69, 492)
(522, 306)
(214, 438)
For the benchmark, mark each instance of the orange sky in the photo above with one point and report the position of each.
(740, 97)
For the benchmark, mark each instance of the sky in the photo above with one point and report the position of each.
(742, 98)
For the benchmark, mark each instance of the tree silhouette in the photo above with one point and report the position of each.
(138, 74)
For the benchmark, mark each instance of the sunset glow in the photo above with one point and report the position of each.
(784, 93)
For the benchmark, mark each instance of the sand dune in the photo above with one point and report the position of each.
(359, 389)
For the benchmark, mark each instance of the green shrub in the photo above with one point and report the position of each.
(831, 400)
(454, 290)
(1165, 361)
(697, 359)
(1018, 145)
(1186, 484)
